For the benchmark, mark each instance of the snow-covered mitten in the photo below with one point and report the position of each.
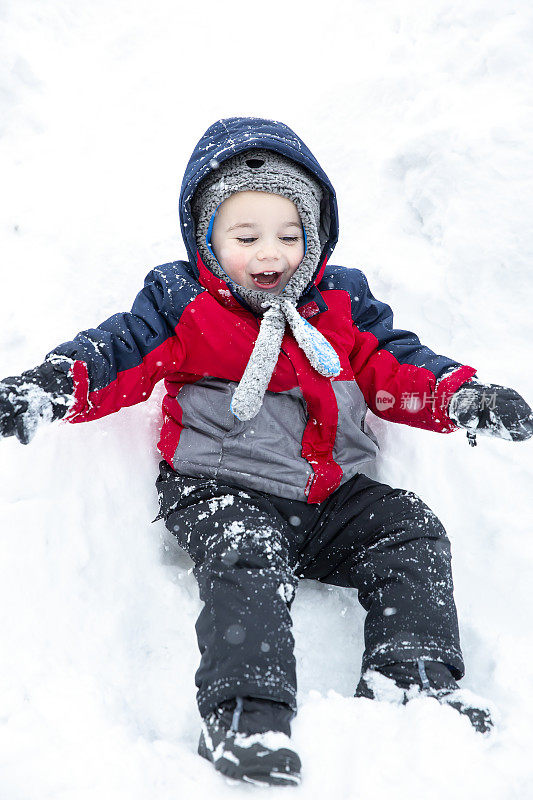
(491, 410)
(247, 739)
(38, 396)
(403, 681)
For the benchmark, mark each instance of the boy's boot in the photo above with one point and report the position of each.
(248, 739)
(403, 681)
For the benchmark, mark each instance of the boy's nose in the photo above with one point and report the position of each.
(268, 251)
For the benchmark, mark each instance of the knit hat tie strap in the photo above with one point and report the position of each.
(248, 396)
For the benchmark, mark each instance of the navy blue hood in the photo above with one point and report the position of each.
(226, 138)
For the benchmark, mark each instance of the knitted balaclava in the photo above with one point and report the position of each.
(266, 171)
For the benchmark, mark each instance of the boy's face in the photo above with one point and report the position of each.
(258, 240)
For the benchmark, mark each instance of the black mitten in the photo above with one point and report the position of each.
(39, 395)
(491, 410)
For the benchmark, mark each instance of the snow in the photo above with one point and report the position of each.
(420, 114)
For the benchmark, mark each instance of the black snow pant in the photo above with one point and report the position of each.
(249, 548)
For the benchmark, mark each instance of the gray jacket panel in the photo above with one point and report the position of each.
(264, 453)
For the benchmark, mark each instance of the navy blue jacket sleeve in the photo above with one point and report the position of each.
(119, 362)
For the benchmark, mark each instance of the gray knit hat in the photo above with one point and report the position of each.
(267, 171)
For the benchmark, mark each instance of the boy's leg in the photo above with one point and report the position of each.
(391, 547)
(244, 567)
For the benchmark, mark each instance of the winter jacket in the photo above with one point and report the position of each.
(188, 327)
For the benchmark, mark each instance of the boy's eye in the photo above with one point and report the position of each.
(250, 239)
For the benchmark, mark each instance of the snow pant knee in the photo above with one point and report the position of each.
(245, 572)
(391, 547)
(244, 632)
(404, 581)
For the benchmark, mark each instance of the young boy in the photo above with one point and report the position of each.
(270, 359)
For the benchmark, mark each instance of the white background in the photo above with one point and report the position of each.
(421, 115)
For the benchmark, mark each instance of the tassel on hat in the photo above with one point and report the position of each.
(249, 394)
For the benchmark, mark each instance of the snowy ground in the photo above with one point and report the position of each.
(419, 113)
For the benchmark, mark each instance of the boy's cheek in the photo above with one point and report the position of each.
(293, 269)
(298, 258)
(222, 256)
(233, 263)
(227, 257)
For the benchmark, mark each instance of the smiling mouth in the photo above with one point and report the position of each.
(267, 279)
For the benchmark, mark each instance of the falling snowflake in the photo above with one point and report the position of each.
(235, 634)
